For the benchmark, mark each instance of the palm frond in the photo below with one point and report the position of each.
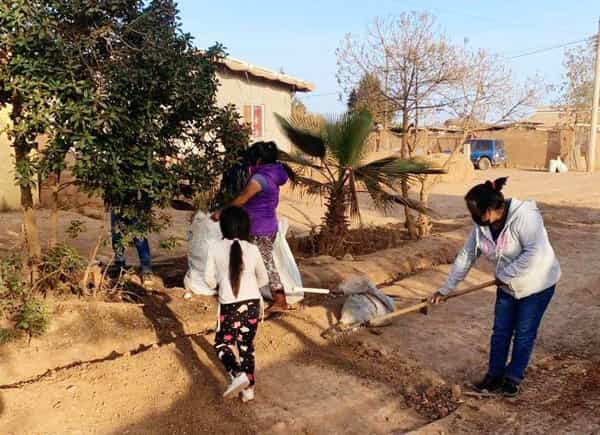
(299, 160)
(385, 200)
(392, 170)
(414, 205)
(307, 121)
(346, 137)
(311, 186)
(307, 141)
(396, 166)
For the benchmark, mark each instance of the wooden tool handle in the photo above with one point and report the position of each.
(426, 303)
(471, 289)
(401, 311)
(321, 291)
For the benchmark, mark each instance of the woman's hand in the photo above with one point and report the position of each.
(437, 298)
(500, 283)
(216, 215)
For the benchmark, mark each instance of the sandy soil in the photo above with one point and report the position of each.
(411, 376)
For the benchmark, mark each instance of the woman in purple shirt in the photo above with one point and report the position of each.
(260, 199)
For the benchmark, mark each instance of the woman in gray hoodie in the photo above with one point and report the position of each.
(511, 234)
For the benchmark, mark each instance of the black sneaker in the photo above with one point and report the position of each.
(489, 384)
(509, 388)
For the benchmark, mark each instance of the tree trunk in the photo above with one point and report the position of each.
(335, 224)
(409, 222)
(424, 222)
(32, 238)
(54, 181)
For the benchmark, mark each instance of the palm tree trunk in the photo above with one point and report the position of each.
(335, 223)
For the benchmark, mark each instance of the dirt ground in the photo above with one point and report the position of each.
(150, 368)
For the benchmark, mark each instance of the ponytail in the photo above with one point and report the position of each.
(290, 172)
(236, 266)
(496, 185)
(486, 196)
(235, 226)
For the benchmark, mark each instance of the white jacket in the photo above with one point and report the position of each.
(254, 275)
(524, 257)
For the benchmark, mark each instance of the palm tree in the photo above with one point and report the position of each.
(335, 149)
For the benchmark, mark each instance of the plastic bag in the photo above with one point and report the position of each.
(557, 166)
(203, 231)
(561, 167)
(365, 301)
(286, 266)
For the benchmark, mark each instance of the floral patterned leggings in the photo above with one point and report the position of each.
(238, 323)
(265, 246)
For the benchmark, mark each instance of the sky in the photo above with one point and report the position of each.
(300, 37)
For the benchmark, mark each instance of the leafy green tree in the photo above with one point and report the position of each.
(120, 85)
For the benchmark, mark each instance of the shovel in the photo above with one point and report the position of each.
(338, 331)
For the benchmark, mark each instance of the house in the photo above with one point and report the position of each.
(10, 195)
(259, 94)
(546, 117)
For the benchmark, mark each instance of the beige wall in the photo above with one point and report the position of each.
(9, 193)
(239, 90)
(524, 148)
(529, 148)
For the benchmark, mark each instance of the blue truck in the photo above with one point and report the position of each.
(487, 153)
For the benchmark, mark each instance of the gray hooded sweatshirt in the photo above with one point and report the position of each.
(524, 258)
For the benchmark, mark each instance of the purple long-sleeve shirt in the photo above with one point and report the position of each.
(261, 208)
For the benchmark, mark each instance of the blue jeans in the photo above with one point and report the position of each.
(142, 246)
(516, 320)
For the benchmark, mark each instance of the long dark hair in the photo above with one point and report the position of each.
(235, 225)
(486, 196)
(267, 153)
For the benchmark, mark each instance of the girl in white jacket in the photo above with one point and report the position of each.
(237, 267)
(511, 234)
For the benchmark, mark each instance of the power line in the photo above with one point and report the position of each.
(496, 20)
(523, 54)
(554, 47)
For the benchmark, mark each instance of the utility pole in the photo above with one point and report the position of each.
(594, 132)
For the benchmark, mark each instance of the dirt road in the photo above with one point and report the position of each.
(410, 378)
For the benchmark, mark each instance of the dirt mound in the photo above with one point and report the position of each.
(461, 169)
(382, 266)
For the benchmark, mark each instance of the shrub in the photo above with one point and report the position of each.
(33, 318)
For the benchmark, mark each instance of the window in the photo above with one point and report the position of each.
(254, 117)
(481, 145)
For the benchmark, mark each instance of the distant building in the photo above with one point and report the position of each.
(546, 118)
(259, 94)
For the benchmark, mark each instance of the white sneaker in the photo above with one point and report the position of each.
(238, 384)
(248, 394)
